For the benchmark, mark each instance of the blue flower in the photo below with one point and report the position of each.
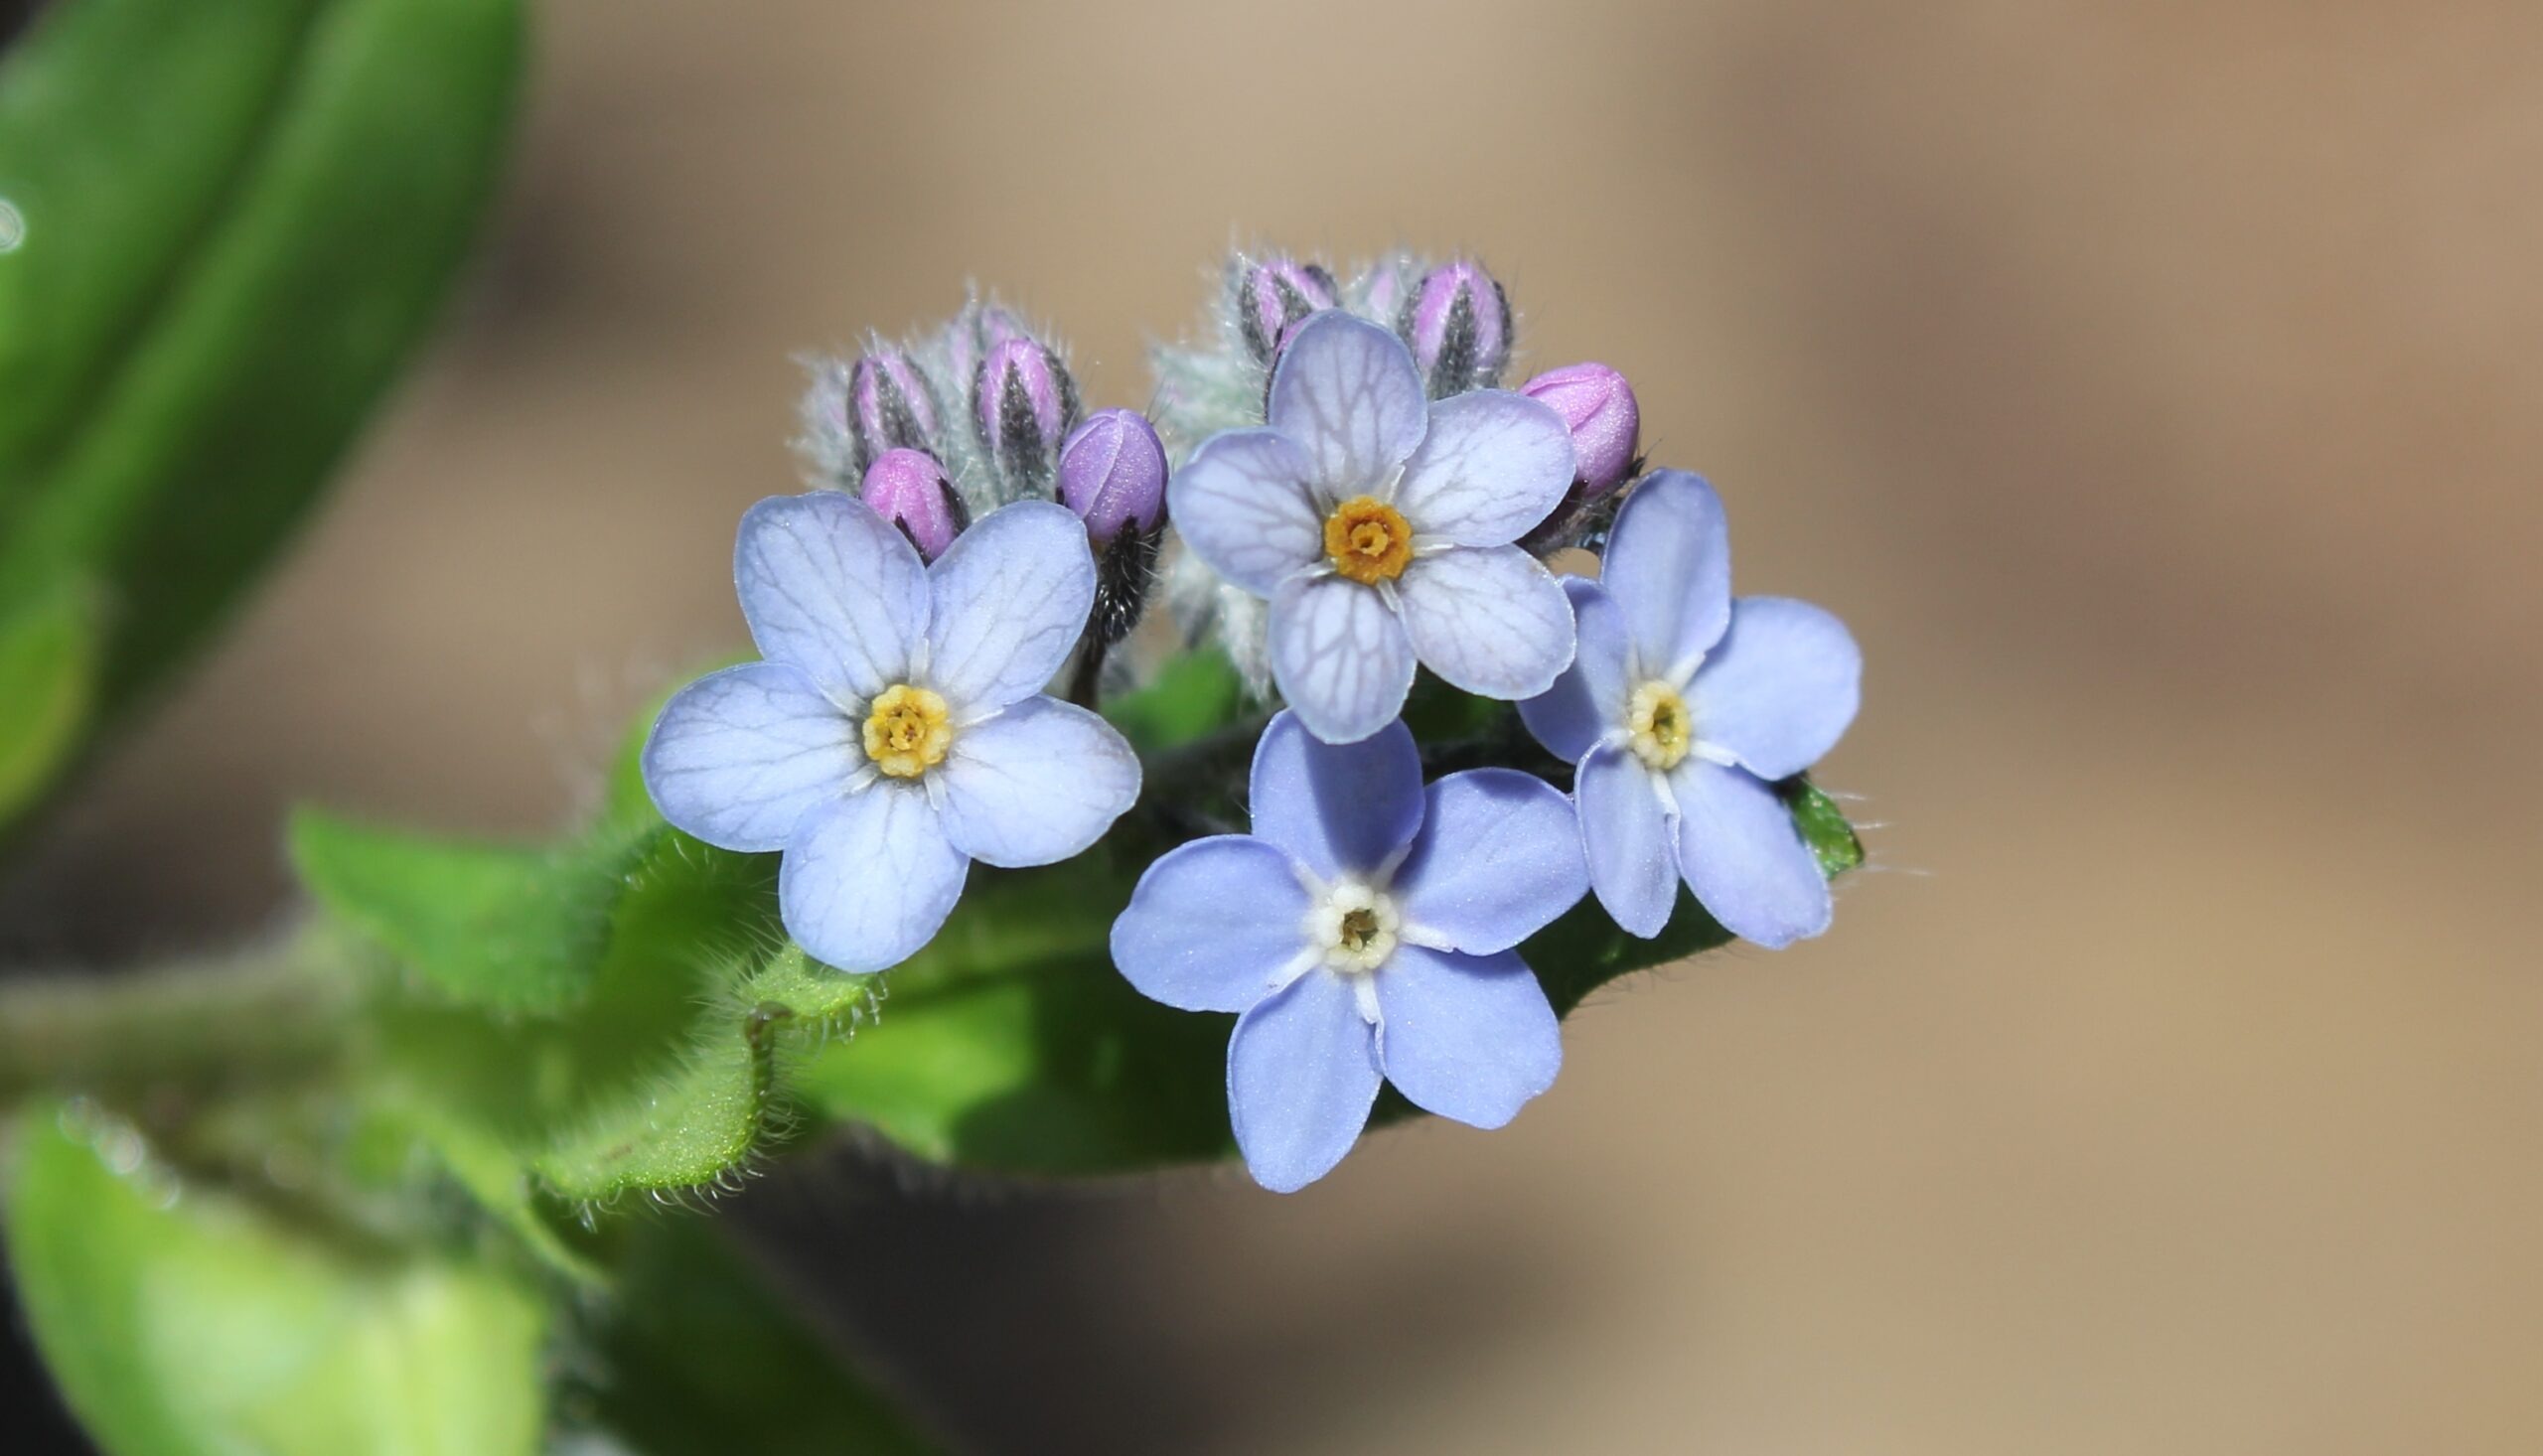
(1363, 929)
(1381, 528)
(898, 730)
(1681, 708)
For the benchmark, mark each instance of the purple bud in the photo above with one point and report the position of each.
(1383, 286)
(1023, 403)
(1275, 293)
(1112, 474)
(1458, 325)
(911, 490)
(889, 406)
(1598, 408)
(976, 328)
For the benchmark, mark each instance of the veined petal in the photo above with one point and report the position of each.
(739, 757)
(1493, 464)
(1244, 505)
(1303, 1072)
(1781, 687)
(1335, 808)
(1339, 655)
(830, 588)
(1591, 696)
(869, 878)
(1667, 566)
(1212, 924)
(1632, 853)
(1490, 620)
(1347, 391)
(1471, 1038)
(1498, 857)
(1011, 597)
(1744, 858)
(1036, 784)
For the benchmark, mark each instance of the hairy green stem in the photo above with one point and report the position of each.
(272, 1011)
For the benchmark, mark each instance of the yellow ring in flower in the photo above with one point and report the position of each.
(1368, 541)
(907, 731)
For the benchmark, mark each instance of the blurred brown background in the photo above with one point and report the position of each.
(2157, 388)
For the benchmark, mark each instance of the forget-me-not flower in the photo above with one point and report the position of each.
(1680, 709)
(1363, 929)
(1379, 527)
(897, 730)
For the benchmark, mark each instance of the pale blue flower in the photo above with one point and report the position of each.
(1363, 929)
(1380, 528)
(1680, 709)
(898, 729)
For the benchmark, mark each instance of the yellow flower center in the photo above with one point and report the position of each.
(907, 732)
(1663, 730)
(1368, 541)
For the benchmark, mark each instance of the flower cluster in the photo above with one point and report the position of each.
(1356, 500)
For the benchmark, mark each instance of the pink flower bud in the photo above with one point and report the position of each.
(909, 488)
(1275, 294)
(1457, 324)
(1113, 474)
(1023, 403)
(889, 406)
(1598, 406)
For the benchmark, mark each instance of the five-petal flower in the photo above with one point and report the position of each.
(897, 730)
(1681, 708)
(1380, 528)
(1365, 931)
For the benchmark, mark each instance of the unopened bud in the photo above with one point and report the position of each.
(889, 407)
(1275, 294)
(1023, 403)
(1457, 324)
(1598, 408)
(1112, 474)
(909, 488)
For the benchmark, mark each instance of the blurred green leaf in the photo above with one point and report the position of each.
(501, 927)
(1193, 693)
(696, 1357)
(47, 667)
(238, 220)
(180, 1319)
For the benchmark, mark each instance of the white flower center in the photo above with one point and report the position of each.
(1353, 928)
(1662, 727)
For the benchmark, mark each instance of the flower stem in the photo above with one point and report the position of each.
(271, 1011)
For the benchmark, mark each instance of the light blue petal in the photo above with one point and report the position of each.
(1469, 1037)
(1335, 808)
(829, 587)
(1212, 924)
(1744, 858)
(1498, 857)
(1347, 391)
(1667, 566)
(1035, 785)
(1490, 620)
(1781, 687)
(1340, 656)
(1303, 1072)
(1493, 464)
(739, 757)
(1011, 597)
(1589, 698)
(1242, 504)
(869, 879)
(1634, 857)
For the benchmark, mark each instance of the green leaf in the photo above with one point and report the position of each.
(238, 220)
(707, 1116)
(182, 1319)
(48, 665)
(503, 927)
(1192, 694)
(696, 1357)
